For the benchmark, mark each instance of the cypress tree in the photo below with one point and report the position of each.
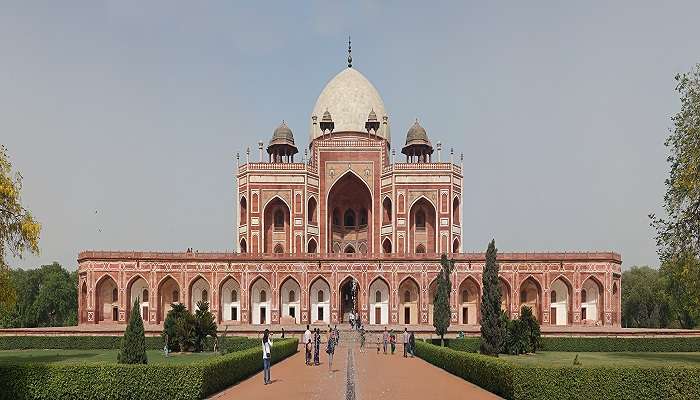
(491, 330)
(133, 347)
(442, 314)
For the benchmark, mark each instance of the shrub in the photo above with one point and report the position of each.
(234, 343)
(133, 348)
(585, 383)
(517, 337)
(533, 328)
(204, 325)
(117, 381)
(597, 344)
(178, 328)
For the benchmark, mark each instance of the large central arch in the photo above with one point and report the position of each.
(350, 215)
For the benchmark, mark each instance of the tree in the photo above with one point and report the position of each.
(532, 328)
(47, 296)
(442, 315)
(179, 328)
(133, 346)
(204, 324)
(644, 300)
(19, 232)
(681, 279)
(491, 305)
(678, 234)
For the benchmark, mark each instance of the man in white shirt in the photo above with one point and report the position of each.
(307, 339)
(406, 337)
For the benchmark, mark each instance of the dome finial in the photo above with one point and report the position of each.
(349, 53)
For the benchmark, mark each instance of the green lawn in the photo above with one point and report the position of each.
(92, 356)
(556, 359)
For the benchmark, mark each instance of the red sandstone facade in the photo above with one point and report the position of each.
(349, 216)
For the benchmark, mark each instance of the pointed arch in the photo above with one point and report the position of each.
(592, 310)
(312, 246)
(198, 289)
(277, 224)
(469, 300)
(319, 300)
(351, 198)
(423, 219)
(168, 292)
(244, 211)
(455, 245)
(290, 300)
(229, 291)
(505, 288)
(456, 211)
(311, 210)
(531, 295)
(386, 246)
(244, 246)
(386, 211)
(260, 294)
(561, 293)
(349, 249)
(82, 305)
(409, 301)
(106, 307)
(379, 293)
(134, 292)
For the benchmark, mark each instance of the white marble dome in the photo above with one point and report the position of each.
(349, 97)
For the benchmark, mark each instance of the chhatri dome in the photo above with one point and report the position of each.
(349, 98)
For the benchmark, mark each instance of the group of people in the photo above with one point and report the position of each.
(312, 345)
(388, 339)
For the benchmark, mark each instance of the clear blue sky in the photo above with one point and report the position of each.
(124, 117)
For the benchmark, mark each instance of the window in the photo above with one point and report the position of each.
(465, 296)
(386, 217)
(349, 219)
(407, 296)
(420, 219)
(234, 313)
(279, 248)
(176, 296)
(553, 296)
(292, 296)
(205, 295)
(523, 296)
(363, 217)
(145, 295)
(115, 294)
(234, 296)
(292, 312)
(378, 297)
(584, 296)
(279, 220)
(244, 212)
(420, 249)
(244, 248)
(320, 296)
(263, 296)
(336, 217)
(311, 248)
(311, 211)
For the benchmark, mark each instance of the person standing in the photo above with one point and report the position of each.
(386, 339)
(337, 335)
(392, 341)
(377, 339)
(330, 348)
(412, 344)
(317, 345)
(406, 345)
(267, 355)
(362, 339)
(306, 339)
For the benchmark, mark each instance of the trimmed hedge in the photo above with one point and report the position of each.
(115, 381)
(229, 344)
(490, 373)
(598, 344)
(585, 383)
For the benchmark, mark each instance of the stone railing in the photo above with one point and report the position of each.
(423, 167)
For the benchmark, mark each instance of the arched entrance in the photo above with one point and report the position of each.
(83, 303)
(560, 294)
(591, 303)
(349, 222)
(277, 227)
(409, 302)
(320, 301)
(168, 293)
(260, 304)
(505, 295)
(199, 291)
(230, 300)
(531, 296)
(290, 301)
(349, 298)
(106, 300)
(470, 300)
(138, 289)
(422, 225)
(378, 302)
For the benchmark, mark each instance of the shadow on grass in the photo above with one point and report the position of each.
(46, 358)
(690, 359)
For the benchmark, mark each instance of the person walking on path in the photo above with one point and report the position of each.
(317, 345)
(392, 340)
(330, 349)
(406, 345)
(377, 339)
(386, 339)
(267, 355)
(306, 339)
(362, 339)
(412, 344)
(337, 335)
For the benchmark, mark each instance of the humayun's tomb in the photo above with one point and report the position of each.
(351, 211)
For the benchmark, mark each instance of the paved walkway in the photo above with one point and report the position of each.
(368, 376)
